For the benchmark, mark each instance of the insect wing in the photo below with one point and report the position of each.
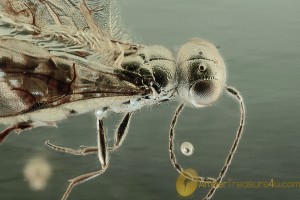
(43, 68)
(84, 28)
(31, 78)
(97, 16)
(106, 14)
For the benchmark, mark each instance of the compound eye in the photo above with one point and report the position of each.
(205, 92)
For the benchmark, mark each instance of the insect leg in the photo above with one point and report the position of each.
(22, 126)
(82, 151)
(120, 135)
(122, 131)
(103, 159)
(172, 154)
(6, 132)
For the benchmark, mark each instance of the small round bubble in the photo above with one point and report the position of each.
(187, 149)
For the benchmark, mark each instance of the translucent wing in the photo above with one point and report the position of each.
(66, 27)
(107, 17)
(31, 79)
(97, 16)
(52, 52)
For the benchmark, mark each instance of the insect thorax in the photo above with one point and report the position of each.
(156, 66)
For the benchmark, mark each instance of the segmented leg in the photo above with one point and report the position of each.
(17, 128)
(122, 131)
(120, 135)
(82, 151)
(103, 159)
(22, 126)
(5, 133)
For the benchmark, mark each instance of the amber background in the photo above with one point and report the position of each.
(260, 43)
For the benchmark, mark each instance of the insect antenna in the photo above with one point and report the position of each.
(234, 92)
(216, 182)
(172, 154)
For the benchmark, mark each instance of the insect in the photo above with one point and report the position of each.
(61, 58)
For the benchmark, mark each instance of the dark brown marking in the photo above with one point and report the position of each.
(122, 128)
(50, 82)
(102, 141)
(81, 54)
(126, 102)
(130, 77)
(5, 61)
(73, 112)
(18, 127)
(27, 94)
(160, 76)
(131, 66)
(35, 107)
(74, 77)
(164, 100)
